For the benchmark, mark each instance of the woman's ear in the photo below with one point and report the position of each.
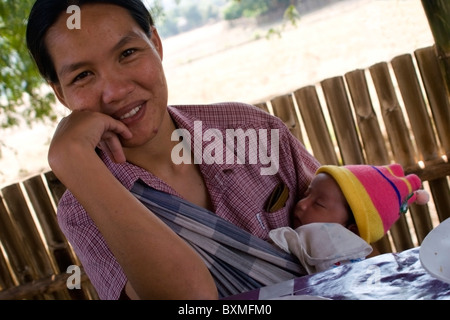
(58, 92)
(156, 39)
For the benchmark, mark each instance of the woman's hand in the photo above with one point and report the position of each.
(81, 132)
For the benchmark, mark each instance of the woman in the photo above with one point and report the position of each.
(120, 132)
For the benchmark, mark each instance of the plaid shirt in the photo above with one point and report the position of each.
(238, 191)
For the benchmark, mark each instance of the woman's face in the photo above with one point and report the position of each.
(323, 202)
(111, 66)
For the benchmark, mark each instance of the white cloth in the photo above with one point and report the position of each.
(320, 246)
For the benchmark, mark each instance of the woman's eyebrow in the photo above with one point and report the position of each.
(72, 67)
(131, 36)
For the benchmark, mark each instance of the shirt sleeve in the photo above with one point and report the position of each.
(98, 262)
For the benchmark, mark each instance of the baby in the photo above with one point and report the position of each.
(345, 209)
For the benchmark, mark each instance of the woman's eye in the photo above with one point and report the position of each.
(128, 52)
(81, 76)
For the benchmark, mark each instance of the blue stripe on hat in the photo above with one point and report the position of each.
(397, 192)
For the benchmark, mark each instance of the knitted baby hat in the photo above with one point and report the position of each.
(377, 195)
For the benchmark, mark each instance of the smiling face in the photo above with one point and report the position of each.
(110, 65)
(323, 202)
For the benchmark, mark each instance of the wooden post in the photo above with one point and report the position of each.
(438, 15)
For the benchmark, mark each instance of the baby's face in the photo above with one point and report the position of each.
(323, 202)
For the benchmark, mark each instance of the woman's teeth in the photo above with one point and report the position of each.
(131, 113)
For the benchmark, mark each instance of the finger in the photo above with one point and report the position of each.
(111, 145)
(120, 129)
(104, 147)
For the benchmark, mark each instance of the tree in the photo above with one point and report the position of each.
(23, 93)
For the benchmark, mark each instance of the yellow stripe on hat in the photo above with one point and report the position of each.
(408, 184)
(370, 225)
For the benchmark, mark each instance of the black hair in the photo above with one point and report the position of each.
(44, 14)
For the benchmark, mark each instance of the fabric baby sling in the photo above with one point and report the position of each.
(237, 260)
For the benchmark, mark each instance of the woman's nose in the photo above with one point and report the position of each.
(116, 87)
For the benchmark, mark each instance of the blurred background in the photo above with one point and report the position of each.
(222, 50)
